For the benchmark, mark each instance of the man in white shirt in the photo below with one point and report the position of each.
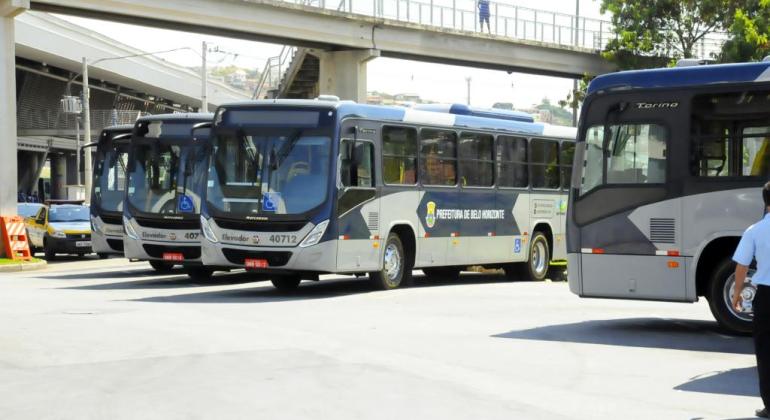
(755, 245)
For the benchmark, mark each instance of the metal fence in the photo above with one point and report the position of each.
(43, 119)
(506, 20)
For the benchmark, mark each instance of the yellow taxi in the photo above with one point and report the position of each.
(60, 227)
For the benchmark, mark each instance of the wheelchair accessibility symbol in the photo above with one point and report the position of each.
(186, 204)
(270, 201)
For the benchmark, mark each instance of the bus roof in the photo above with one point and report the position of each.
(682, 76)
(350, 109)
(461, 109)
(203, 116)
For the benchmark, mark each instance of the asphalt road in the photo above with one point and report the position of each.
(112, 340)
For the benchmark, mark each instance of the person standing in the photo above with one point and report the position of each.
(755, 245)
(484, 15)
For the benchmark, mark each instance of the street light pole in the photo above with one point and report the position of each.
(204, 81)
(87, 131)
(468, 97)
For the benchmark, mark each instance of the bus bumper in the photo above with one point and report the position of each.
(574, 273)
(108, 240)
(143, 250)
(319, 258)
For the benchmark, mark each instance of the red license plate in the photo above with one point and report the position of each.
(255, 263)
(173, 256)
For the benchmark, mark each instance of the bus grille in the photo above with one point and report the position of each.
(274, 258)
(115, 244)
(254, 226)
(663, 231)
(157, 251)
(112, 219)
(185, 224)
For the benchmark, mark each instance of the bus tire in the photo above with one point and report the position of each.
(539, 261)
(726, 317)
(199, 273)
(103, 256)
(161, 266)
(396, 270)
(442, 273)
(286, 283)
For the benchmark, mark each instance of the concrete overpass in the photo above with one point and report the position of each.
(331, 30)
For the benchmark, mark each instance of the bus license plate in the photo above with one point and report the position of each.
(255, 263)
(82, 244)
(173, 256)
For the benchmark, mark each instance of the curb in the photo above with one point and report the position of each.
(13, 268)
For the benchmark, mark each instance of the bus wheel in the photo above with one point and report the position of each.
(539, 261)
(286, 283)
(161, 266)
(720, 299)
(199, 273)
(103, 256)
(395, 266)
(442, 273)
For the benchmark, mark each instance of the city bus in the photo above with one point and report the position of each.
(107, 190)
(166, 168)
(669, 165)
(299, 188)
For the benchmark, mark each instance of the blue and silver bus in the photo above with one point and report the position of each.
(161, 211)
(108, 190)
(298, 188)
(669, 163)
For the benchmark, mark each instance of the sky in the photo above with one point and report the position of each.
(437, 82)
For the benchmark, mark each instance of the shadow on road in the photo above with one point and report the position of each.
(741, 382)
(673, 334)
(178, 280)
(328, 288)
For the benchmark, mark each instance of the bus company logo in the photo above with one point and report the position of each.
(172, 236)
(153, 235)
(430, 214)
(235, 238)
(255, 239)
(657, 105)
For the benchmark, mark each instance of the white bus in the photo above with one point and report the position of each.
(298, 188)
(166, 168)
(669, 165)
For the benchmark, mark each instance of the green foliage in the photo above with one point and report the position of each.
(575, 98)
(650, 33)
(748, 33)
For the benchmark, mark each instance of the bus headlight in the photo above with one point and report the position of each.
(129, 229)
(207, 231)
(315, 235)
(96, 225)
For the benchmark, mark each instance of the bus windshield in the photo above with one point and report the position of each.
(269, 171)
(110, 179)
(163, 179)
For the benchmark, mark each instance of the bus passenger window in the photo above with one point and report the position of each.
(476, 160)
(512, 167)
(756, 151)
(566, 155)
(636, 154)
(544, 162)
(399, 155)
(438, 153)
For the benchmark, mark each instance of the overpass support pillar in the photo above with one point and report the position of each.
(9, 9)
(58, 176)
(343, 73)
(30, 165)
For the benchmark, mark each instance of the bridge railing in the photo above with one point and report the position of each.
(44, 119)
(506, 20)
(274, 70)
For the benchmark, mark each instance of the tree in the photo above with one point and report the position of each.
(748, 33)
(650, 33)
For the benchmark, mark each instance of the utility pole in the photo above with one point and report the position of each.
(87, 131)
(468, 96)
(204, 80)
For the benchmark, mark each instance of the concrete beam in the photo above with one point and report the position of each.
(343, 73)
(13, 8)
(276, 21)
